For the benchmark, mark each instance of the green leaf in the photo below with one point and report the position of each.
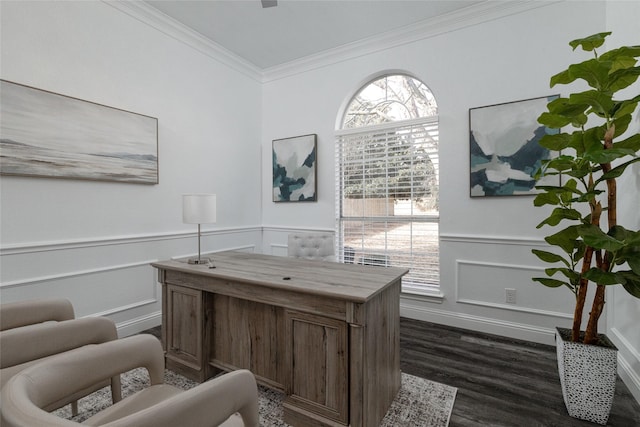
(552, 283)
(566, 239)
(562, 78)
(589, 140)
(617, 171)
(573, 110)
(559, 214)
(621, 79)
(622, 124)
(630, 281)
(567, 272)
(633, 260)
(599, 102)
(602, 277)
(607, 156)
(591, 42)
(620, 233)
(554, 121)
(549, 257)
(561, 163)
(633, 288)
(595, 237)
(621, 52)
(621, 63)
(594, 72)
(625, 107)
(632, 143)
(546, 199)
(557, 142)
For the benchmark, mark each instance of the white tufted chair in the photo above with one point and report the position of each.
(311, 246)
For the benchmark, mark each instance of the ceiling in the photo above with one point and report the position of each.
(294, 29)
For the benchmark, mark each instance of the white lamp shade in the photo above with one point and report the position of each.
(199, 208)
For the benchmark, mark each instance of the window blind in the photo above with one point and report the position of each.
(387, 199)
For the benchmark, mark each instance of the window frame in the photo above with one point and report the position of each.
(408, 287)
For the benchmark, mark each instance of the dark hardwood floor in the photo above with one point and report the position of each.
(500, 381)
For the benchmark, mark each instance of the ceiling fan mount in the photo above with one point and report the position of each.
(269, 3)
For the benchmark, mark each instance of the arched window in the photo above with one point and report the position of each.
(387, 180)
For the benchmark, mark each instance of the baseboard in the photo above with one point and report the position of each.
(628, 357)
(629, 377)
(477, 323)
(139, 324)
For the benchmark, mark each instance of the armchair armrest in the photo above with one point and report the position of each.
(206, 405)
(22, 313)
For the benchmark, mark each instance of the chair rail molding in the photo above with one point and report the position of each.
(44, 246)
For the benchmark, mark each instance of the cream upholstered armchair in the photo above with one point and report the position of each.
(32, 331)
(228, 400)
(311, 246)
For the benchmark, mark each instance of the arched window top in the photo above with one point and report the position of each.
(387, 99)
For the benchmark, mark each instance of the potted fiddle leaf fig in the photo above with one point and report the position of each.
(590, 248)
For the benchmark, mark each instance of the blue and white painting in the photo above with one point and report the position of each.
(505, 150)
(44, 134)
(294, 169)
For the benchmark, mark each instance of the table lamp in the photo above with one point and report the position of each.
(199, 209)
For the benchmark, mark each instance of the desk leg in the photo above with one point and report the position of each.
(356, 376)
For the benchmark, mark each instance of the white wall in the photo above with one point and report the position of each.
(93, 241)
(624, 311)
(485, 242)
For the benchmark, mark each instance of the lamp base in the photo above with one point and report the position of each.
(199, 261)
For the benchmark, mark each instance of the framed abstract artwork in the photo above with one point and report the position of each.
(45, 134)
(295, 169)
(504, 149)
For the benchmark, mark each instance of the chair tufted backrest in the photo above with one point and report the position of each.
(311, 246)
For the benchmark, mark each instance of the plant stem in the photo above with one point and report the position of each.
(591, 333)
(581, 295)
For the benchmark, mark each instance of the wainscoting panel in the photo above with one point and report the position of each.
(485, 284)
(103, 292)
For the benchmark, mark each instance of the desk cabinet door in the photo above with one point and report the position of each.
(184, 326)
(318, 362)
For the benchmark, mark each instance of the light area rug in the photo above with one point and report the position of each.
(419, 402)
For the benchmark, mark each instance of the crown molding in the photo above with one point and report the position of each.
(150, 16)
(479, 13)
(472, 15)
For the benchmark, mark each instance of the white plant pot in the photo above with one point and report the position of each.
(588, 377)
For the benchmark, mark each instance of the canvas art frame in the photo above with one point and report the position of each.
(504, 153)
(295, 169)
(46, 134)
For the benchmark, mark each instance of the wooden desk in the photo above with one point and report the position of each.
(326, 334)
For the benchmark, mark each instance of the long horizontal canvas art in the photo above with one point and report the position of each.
(44, 134)
(294, 169)
(505, 150)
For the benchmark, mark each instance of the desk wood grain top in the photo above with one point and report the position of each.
(352, 282)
